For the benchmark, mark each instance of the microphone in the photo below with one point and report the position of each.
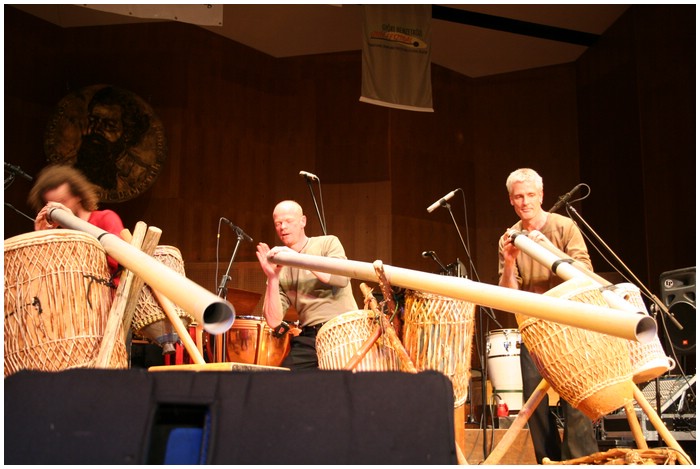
(432, 255)
(447, 197)
(18, 170)
(313, 177)
(564, 199)
(238, 231)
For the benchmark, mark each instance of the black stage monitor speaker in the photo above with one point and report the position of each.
(678, 294)
(120, 417)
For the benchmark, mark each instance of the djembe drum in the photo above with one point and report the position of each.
(338, 340)
(57, 302)
(150, 321)
(589, 370)
(649, 361)
(437, 335)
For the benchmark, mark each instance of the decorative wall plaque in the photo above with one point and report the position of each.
(111, 135)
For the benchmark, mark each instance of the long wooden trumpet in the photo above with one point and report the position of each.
(625, 325)
(214, 313)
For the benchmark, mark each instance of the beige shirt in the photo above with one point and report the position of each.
(315, 301)
(535, 277)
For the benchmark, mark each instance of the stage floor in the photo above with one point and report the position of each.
(521, 451)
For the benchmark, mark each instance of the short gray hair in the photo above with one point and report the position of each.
(524, 175)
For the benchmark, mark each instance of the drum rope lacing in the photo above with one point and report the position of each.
(109, 283)
(391, 316)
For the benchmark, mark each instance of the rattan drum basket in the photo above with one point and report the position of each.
(590, 370)
(57, 301)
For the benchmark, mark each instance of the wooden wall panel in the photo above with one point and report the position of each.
(241, 125)
(642, 152)
(352, 138)
(367, 238)
(245, 276)
(528, 120)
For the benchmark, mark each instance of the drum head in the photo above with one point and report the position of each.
(505, 332)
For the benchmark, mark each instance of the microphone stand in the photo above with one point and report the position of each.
(20, 212)
(657, 383)
(650, 295)
(318, 212)
(449, 209)
(489, 313)
(437, 260)
(222, 292)
(657, 304)
(8, 181)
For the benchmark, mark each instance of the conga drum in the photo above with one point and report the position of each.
(503, 366)
(57, 302)
(437, 335)
(338, 340)
(250, 340)
(649, 361)
(589, 370)
(149, 320)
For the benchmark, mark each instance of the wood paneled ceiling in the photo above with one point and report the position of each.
(474, 40)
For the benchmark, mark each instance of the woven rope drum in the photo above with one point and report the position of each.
(437, 335)
(57, 301)
(589, 370)
(340, 338)
(150, 321)
(649, 360)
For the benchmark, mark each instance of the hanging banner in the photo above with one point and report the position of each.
(396, 56)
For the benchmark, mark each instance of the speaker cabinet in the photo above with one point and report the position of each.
(678, 294)
(120, 417)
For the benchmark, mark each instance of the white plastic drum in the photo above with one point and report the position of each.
(503, 366)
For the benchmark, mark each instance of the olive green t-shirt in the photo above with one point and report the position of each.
(315, 301)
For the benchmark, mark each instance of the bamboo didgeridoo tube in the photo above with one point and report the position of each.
(545, 243)
(543, 251)
(617, 323)
(214, 313)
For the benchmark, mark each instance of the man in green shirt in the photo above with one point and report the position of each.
(316, 296)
